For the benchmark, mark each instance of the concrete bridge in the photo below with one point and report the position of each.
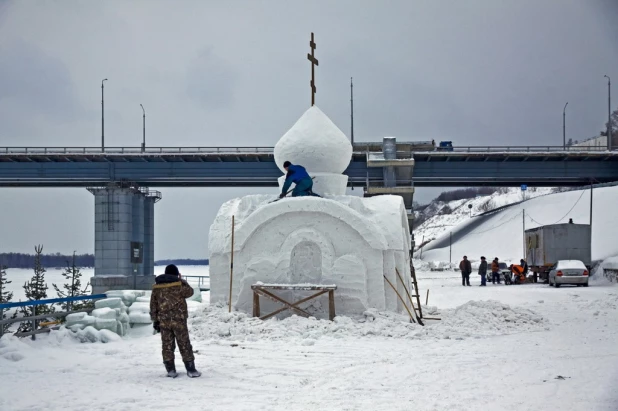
(120, 178)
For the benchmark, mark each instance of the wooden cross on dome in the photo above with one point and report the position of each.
(314, 62)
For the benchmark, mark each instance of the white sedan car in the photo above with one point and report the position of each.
(572, 272)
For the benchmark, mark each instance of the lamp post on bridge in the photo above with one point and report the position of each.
(143, 128)
(564, 126)
(103, 115)
(609, 112)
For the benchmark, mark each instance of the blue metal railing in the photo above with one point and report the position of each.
(51, 301)
(34, 319)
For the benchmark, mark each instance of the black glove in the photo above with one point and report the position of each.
(157, 326)
(281, 195)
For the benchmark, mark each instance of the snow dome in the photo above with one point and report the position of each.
(317, 144)
(349, 241)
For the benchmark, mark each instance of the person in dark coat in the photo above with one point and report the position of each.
(466, 269)
(298, 175)
(168, 311)
(483, 272)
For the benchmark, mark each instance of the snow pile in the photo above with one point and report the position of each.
(487, 318)
(473, 319)
(110, 314)
(16, 349)
(128, 297)
(601, 306)
(139, 313)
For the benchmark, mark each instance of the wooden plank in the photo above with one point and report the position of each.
(45, 324)
(292, 287)
(331, 305)
(256, 304)
(294, 305)
(280, 300)
(41, 331)
(400, 299)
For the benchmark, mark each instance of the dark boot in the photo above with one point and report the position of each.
(170, 368)
(191, 371)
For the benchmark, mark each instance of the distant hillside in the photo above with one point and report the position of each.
(500, 234)
(451, 208)
(22, 260)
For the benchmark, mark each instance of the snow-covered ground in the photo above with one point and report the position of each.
(500, 234)
(527, 347)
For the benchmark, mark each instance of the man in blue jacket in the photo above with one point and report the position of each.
(298, 175)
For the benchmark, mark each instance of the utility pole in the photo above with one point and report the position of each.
(609, 112)
(591, 215)
(143, 128)
(351, 112)
(564, 126)
(103, 115)
(523, 221)
(450, 247)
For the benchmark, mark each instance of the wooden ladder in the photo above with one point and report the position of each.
(417, 293)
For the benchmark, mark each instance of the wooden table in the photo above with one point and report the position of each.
(265, 290)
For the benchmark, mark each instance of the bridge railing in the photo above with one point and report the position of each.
(519, 149)
(358, 148)
(135, 150)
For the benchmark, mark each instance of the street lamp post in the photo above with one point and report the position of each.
(564, 126)
(143, 129)
(609, 112)
(103, 115)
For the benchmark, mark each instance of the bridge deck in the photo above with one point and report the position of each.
(254, 166)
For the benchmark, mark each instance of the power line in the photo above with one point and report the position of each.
(567, 213)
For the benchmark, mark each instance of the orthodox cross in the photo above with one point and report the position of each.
(314, 62)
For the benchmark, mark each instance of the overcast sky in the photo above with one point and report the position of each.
(213, 73)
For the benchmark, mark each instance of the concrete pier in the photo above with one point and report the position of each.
(124, 237)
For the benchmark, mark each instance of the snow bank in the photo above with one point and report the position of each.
(16, 349)
(471, 320)
(110, 314)
(459, 211)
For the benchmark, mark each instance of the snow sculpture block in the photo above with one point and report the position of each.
(344, 240)
(348, 241)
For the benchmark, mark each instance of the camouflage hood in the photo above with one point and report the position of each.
(168, 300)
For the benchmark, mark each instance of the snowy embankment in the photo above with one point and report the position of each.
(444, 216)
(500, 234)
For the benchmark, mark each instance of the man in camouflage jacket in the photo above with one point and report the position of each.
(168, 311)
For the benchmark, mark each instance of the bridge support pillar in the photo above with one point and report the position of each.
(124, 237)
